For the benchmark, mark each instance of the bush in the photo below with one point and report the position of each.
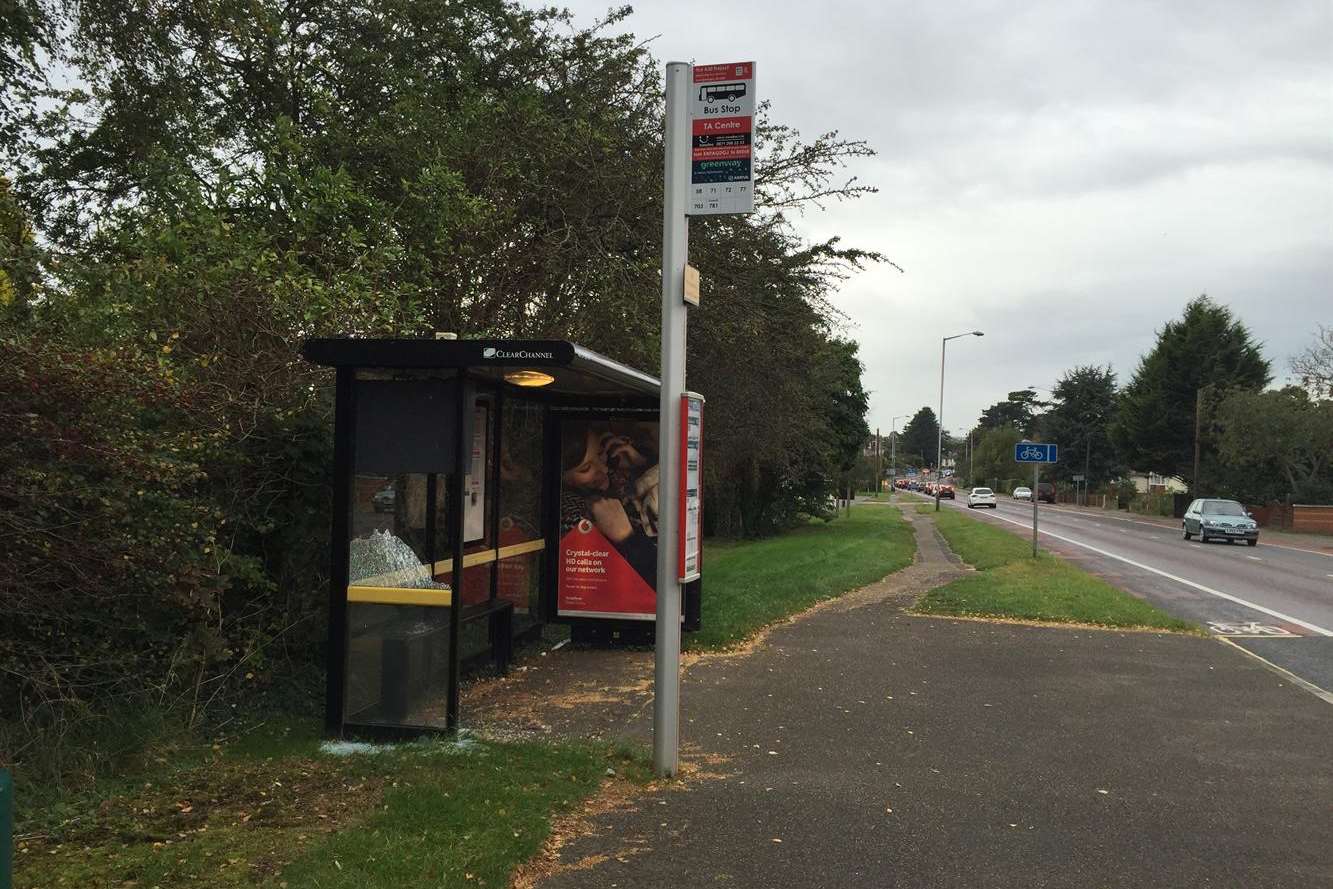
(1152, 504)
(142, 544)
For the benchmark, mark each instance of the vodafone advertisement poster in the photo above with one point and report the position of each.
(608, 519)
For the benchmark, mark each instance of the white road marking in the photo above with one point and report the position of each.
(1290, 676)
(1255, 558)
(1189, 583)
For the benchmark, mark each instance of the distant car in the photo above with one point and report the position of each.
(946, 492)
(383, 499)
(1219, 520)
(978, 497)
(1022, 494)
(1046, 492)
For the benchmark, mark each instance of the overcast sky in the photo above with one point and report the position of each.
(1063, 176)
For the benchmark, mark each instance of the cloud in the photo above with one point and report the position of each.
(1063, 175)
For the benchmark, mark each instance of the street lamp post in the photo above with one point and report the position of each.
(893, 453)
(939, 429)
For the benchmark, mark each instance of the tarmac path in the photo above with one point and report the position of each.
(862, 746)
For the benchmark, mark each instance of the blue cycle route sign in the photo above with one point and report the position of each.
(1031, 452)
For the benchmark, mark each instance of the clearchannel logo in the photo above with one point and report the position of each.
(522, 355)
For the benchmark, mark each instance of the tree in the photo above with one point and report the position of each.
(1314, 366)
(1278, 445)
(1079, 420)
(228, 180)
(1154, 428)
(1020, 409)
(993, 457)
(919, 437)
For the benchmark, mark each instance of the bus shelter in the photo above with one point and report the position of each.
(481, 488)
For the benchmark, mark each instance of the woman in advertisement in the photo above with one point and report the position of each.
(610, 479)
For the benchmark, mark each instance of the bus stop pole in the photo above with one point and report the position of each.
(675, 253)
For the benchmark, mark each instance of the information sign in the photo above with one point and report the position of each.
(722, 106)
(691, 485)
(1031, 452)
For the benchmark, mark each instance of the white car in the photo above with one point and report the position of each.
(1022, 493)
(980, 497)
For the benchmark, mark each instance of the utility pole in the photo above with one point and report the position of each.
(1198, 413)
(879, 461)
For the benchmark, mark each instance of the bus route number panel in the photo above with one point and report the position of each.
(722, 102)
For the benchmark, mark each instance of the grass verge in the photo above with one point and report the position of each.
(753, 583)
(1010, 583)
(279, 812)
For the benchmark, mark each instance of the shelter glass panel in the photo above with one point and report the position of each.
(398, 612)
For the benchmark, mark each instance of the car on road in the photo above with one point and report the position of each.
(1022, 493)
(1219, 520)
(979, 497)
(1046, 492)
(946, 492)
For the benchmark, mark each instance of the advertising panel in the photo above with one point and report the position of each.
(608, 519)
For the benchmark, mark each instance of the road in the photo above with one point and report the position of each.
(1274, 601)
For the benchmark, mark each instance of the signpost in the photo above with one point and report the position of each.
(707, 169)
(721, 139)
(1036, 454)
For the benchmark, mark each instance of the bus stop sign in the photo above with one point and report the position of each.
(721, 139)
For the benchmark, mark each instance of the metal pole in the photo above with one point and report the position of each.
(1036, 476)
(1198, 410)
(893, 458)
(675, 253)
(1087, 460)
(879, 461)
(939, 429)
(971, 467)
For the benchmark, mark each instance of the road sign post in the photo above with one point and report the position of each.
(675, 254)
(707, 169)
(1036, 454)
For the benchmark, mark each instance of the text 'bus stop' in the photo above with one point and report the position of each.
(481, 488)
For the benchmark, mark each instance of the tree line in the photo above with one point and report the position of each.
(1197, 407)
(188, 190)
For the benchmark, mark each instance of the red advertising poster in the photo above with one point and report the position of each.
(608, 519)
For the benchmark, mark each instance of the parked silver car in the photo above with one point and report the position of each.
(1021, 493)
(1219, 520)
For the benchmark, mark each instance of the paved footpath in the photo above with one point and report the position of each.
(862, 746)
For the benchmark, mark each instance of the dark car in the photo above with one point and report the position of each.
(1045, 492)
(1219, 520)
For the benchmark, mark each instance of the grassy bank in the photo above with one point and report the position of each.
(271, 807)
(1010, 583)
(275, 810)
(750, 584)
